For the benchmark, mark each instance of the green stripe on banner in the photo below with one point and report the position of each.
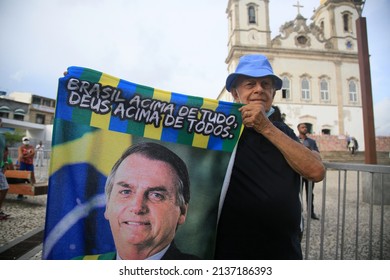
(134, 127)
(229, 145)
(184, 137)
(83, 116)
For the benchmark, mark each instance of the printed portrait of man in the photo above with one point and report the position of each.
(147, 196)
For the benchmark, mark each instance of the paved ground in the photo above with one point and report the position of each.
(354, 233)
(26, 215)
(30, 214)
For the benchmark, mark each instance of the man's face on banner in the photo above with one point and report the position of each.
(142, 209)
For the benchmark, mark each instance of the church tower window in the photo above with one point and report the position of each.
(305, 86)
(324, 90)
(352, 91)
(251, 14)
(347, 22)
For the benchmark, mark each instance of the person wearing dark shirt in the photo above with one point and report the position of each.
(311, 145)
(260, 210)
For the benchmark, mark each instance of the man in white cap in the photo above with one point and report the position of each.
(26, 154)
(260, 210)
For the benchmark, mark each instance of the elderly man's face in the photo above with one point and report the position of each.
(142, 208)
(254, 90)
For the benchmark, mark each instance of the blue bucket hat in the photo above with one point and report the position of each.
(253, 65)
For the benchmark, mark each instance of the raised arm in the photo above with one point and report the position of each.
(305, 162)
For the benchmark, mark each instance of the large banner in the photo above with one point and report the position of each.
(98, 118)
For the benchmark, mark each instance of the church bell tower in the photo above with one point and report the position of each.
(249, 29)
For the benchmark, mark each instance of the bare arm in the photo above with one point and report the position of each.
(20, 154)
(305, 162)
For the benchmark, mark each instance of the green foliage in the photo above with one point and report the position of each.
(13, 138)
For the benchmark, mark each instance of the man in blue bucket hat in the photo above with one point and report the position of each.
(260, 210)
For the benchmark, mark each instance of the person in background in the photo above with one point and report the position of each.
(26, 153)
(39, 151)
(7, 163)
(352, 145)
(260, 209)
(3, 181)
(312, 146)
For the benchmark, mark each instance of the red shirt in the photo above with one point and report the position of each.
(27, 150)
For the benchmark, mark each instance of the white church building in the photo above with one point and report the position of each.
(318, 63)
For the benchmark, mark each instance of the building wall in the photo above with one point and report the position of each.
(327, 143)
(35, 115)
(15, 107)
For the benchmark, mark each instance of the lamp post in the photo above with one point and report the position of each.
(365, 84)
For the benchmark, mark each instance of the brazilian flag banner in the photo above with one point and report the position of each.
(98, 117)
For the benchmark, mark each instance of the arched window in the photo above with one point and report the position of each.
(324, 90)
(251, 14)
(305, 89)
(286, 89)
(352, 91)
(347, 22)
(19, 114)
(4, 112)
(309, 127)
(5, 109)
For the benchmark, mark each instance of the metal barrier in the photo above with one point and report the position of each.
(13, 153)
(355, 214)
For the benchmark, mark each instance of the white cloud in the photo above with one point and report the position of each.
(17, 76)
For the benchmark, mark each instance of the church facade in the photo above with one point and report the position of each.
(318, 62)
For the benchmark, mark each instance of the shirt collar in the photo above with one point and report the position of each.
(156, 256)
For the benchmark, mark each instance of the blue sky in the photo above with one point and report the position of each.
(173, 45)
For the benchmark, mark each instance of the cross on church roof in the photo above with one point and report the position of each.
(298, 6)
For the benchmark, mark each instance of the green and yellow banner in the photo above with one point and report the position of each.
(97, 118)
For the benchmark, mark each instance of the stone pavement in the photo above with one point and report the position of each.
(29, 214)
(26, 215)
